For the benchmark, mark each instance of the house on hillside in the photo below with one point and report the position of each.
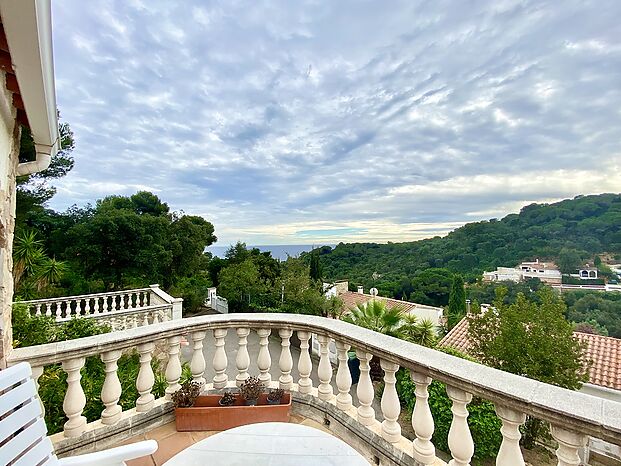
(547, 272)
(604, 375)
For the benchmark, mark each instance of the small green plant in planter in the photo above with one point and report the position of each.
(275, 395)
(186, 395)
(228, 399)
(251, 389)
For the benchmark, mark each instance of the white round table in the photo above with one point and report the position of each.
(269, 443)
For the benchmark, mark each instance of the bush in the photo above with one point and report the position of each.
(31, 330)
(193, 290)
(482, 420)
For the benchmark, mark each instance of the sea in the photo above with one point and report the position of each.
(279, 251)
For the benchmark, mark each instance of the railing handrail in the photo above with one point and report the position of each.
(575, 411)
(83, 296)
(119, 312)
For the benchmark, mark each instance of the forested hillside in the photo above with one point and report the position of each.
(569, 232)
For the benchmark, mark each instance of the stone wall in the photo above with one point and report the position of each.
(9, 151)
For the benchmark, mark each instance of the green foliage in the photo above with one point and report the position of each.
(530, 339)
(457, 302)
(194, 290)
(587, 224)
(602, 308)
(482, 420)
(315, 267)
(31, 330)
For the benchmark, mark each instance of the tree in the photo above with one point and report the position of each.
(376, 316)
(315, 267)
(33, 191)
(239, 283)
(569, 260)
(422, 332)
(457, 302)
(530, 339)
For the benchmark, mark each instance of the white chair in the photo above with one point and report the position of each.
(23, 434)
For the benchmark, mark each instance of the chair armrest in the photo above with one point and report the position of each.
(112, 457)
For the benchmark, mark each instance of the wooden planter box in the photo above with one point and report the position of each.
(207, 414)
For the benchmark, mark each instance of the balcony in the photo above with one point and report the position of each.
(222, 350)
(119, 309)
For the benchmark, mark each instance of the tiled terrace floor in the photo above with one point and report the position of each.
(172, 442)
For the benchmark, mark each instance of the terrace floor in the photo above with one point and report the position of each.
(172, 442)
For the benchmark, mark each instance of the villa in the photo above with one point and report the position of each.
(223, 350)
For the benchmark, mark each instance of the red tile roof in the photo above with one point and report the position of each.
(605, 352)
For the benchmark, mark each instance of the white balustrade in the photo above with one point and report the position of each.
(343, 377)
(422, 421)
(285, 363)
(569, 444)
(324, 371)
(305, 365)
(242, 361)
(364, 391)
(173, 367)
(220, 361)
(264, 360)
(37, 371)
(146, 378)
(197, 364)
(75, 400)
(391, 408)
(510, 453)
(422, 450)
(111, 391)
(459, 438)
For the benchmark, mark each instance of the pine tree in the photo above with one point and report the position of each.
(457, 302)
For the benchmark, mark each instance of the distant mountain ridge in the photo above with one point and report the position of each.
(584, 225)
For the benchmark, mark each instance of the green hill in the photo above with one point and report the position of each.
(569, 231)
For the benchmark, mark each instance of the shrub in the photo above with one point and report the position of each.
(482, 420)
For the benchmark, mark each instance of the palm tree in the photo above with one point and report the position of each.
(375, 316)
(27, 253)
(420, 332)
(48, 272)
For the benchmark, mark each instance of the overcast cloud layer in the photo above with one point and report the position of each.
(321, 121)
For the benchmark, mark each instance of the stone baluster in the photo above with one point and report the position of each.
(510, 453)
(391, 408)
(145, 319)
(220, 362)
(75, 400)
(324, 371)
(131, 321)
(264, 360)
(197, 364)
(422, 421)
(173, 368)
(305, 365)
(155, 317)
(364, 391)
(285, 381)
(111, 390)
(37, 371)
(459, 438)
(97, 305)
(48, 309)
(38, 309)
(569, 445)
(343, 377)
(146, 378)
(242, 360)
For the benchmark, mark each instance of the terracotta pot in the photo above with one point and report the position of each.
(207, 414)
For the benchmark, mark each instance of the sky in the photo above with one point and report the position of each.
(308, 122)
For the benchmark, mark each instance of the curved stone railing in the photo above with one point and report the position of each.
(573, 416)
(120, 309)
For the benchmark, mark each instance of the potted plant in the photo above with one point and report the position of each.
(251, 389)
(228, 399)
(186, 396)
(275, 395)
(225, 410)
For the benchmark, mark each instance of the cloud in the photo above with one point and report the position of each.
(327, 121)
